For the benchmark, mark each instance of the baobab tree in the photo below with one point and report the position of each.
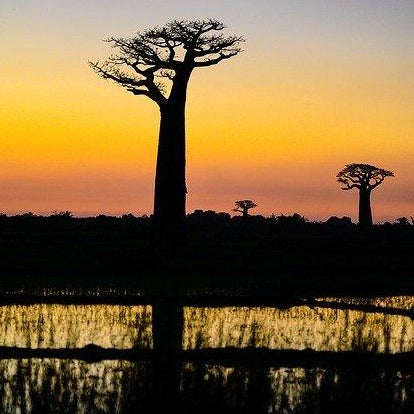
(365, 178)
(157, 64)
(243, 206)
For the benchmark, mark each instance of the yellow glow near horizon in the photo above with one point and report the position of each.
(273, 124)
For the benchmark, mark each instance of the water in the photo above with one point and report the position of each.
(74, 326)
(121, 386)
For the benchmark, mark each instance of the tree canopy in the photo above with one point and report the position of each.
(157, 63)
(362, 176)
(149, 63)
(243, 206)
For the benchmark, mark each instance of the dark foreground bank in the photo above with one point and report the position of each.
(264, 256)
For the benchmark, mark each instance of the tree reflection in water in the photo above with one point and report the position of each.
(32, 386)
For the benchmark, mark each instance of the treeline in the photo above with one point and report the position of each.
(220, 250)
(200, 225)
(197, 216)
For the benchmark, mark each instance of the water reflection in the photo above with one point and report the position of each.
(299, 327)
(298, 391)
(67, 386)
(399, 302)
(72, 326)
(52, 386)
(64, 386)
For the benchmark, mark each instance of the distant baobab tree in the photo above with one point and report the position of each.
(365, 178)
(243, 206)
(157, 63)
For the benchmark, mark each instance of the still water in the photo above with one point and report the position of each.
(74, 386)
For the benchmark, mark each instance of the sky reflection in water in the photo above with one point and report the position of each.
(31, 386)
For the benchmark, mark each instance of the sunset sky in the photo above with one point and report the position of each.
(321, 83)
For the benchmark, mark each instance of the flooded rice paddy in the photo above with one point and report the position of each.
(34, 385)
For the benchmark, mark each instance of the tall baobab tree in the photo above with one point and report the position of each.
(365, 178)
(158, 63)
(243, 206)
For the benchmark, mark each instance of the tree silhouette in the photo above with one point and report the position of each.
(243, 206)
(158, 63)
(365, 178)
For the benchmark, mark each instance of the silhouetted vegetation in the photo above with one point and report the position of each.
(158, 64)
(365, 178)
(171, 262)
(243, 206)
(253, 252)
(404, 221)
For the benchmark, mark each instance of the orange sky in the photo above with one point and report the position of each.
(274, 124)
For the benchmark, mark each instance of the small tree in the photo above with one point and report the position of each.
(243, 206)
(62, 214)
(158, 64)
(403, 221)
(365, 178)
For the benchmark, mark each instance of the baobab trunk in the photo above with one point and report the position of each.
(152, 63)
(167, 334)
(170, 184)
(170, 188)
(365, 214)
